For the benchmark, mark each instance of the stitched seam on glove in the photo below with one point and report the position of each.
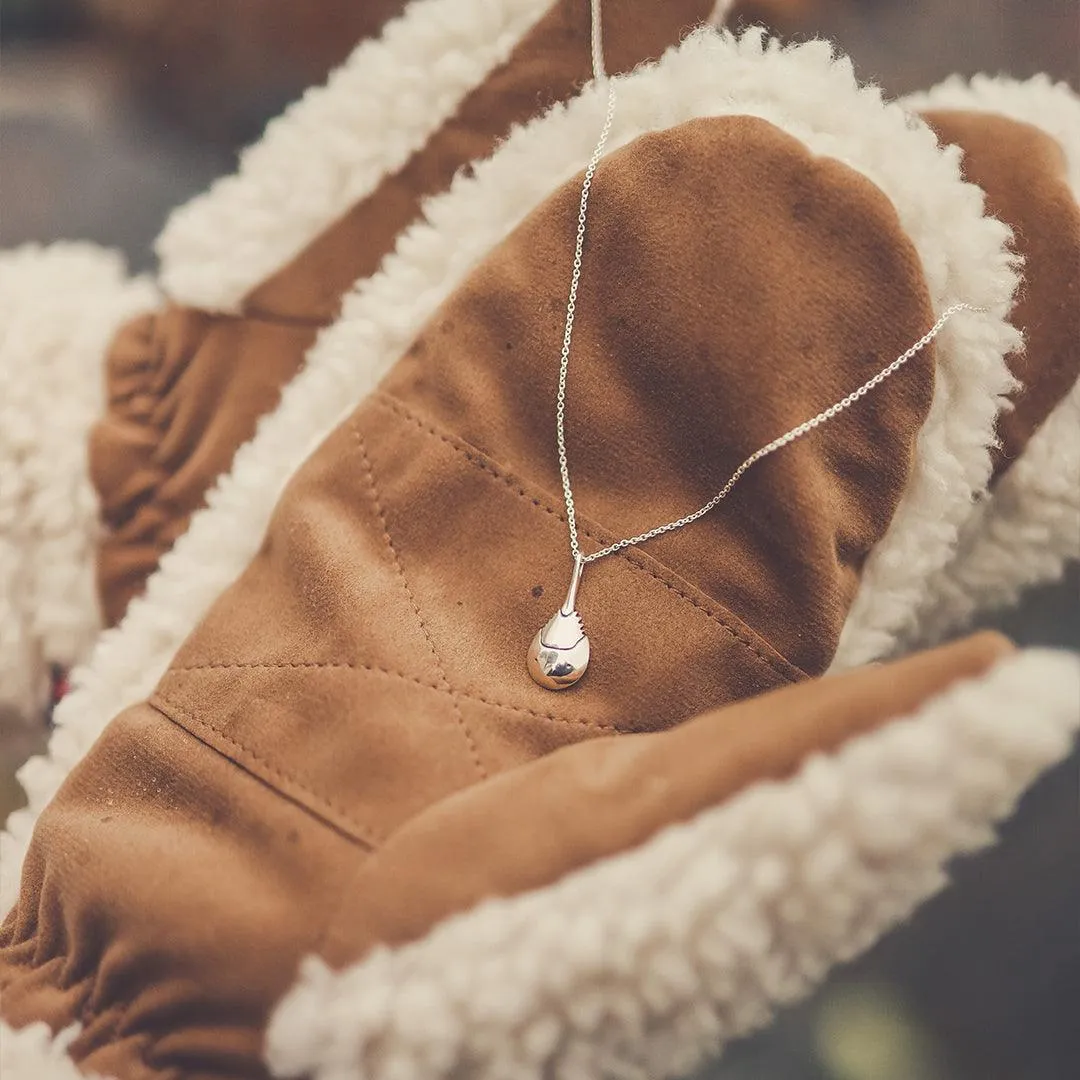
(395, 554)
(466, 695)
(778, 664)
(333, 815)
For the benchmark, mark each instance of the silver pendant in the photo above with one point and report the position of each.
(559, 654)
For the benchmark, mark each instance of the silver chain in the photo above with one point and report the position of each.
(571, 309)
(564, 357)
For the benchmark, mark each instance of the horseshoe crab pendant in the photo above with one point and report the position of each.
(559, 654)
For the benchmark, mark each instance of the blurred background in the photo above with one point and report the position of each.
(114, 111)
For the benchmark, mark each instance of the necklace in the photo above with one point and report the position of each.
(559, 653)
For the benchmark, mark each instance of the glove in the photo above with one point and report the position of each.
(368, 665)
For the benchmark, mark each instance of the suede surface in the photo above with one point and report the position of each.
(531, 826)
(168, 434)
(185, 390)
(1023, 172)
(226, 885)
(370, 662)
(711, 320)
(173, 895)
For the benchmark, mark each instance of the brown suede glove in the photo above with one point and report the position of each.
(174, 896)
(530, 826)
(368, 667)
(370, 662)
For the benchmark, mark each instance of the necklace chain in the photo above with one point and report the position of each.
(564, 357)
(571, 310)
(559, 654)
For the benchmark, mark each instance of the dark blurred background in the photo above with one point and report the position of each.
(114, 111)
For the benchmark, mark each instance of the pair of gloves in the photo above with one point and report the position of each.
(327, 743)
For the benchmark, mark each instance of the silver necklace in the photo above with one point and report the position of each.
(559, 653)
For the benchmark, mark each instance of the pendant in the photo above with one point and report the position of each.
(559, 654)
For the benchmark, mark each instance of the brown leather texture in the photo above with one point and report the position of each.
(370, 662)
(1023, 172)
(185, 389)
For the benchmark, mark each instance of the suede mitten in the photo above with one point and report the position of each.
(370, 663)
(1020, 141)
(359, 693)
(1024, 172)
(227, 884)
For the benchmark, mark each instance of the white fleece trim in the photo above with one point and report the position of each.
(648, 963)
(332, 147)
(34, 1053)
(803, 89)
(1027, 531)
(59, 307)
(1054, 107)
(952, 464)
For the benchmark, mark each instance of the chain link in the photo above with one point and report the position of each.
(564, 357)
